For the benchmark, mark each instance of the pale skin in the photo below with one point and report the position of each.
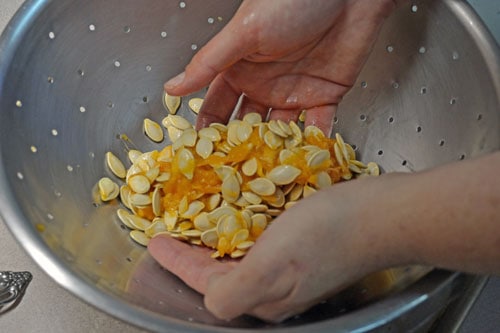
(446, 217)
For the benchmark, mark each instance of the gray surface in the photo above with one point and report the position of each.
(46, 307)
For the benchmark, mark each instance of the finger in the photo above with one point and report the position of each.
(321, 117)
(285, 115)
(225, 49)
(191, 264)
(248, 106)
(219, 103)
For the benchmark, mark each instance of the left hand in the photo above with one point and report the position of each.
(309, 252)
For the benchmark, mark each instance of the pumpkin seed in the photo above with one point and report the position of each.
(195, 104)
(133, 154)
(108, 190)
(262, 186)
(139, 237)
(244, 131)
(251, 198)
(204, 148)
(272, 140)
(171, 103)
(191, 233)
(373, 169)
(155, 228)
(252, 118)
(249, 168)
(302, 116)
(125, 195)
(201, 222)
(138, 222)
(115, 165)
(210, 238)
(237, 254)
(245, 245)
(213, 201)
(156, 202)
(170, 219)
(139, 184)
(177, 122)
(153, 130)
(140, 200)
(185, 162)
(174, 133)
(284, 174)
(230, 188)
(124, 215)
(210, 133)
(193, 209)
(318, 158)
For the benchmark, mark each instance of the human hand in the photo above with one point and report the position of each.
(310, 252)
(287, 55)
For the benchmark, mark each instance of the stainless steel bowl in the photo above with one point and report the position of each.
(76, 75)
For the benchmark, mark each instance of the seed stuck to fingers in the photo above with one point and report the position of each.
(222, 186)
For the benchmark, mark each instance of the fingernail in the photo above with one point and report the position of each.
(174, 82)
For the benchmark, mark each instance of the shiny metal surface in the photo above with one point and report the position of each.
(83, 73)
(12, 287)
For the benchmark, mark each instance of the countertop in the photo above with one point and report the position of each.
(46, 307)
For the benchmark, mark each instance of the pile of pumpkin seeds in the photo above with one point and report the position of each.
(223, 185)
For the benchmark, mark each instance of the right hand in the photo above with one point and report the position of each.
(284, 55)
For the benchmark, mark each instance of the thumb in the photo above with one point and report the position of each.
(229, 46)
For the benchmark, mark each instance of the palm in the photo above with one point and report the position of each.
(308, 62)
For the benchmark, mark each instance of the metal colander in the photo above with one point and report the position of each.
(75, 75)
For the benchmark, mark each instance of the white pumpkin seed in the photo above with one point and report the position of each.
(244, 131)
(195, 104)
(139, 184)
(373, 169)
(230, 188)
(201, 222)
(210, 133)
(245, 245)
(237, 254)
(284, 174)
(170, 219)
(140, 200)
(251, 198)
(210, 238)
(156, 202)
(204, 148)
(155, 228)
(272, 140)
(193, 209)
(115, 165)
(318, 158)
(123, 215)
(171, 103)
(139, 237)
(213, 201)
(250, 166)
(133, 154)
(262, 186)
(191, 233)
(153, 130)
(138, 222)
(108, 190)
(125, 195)
(185, 162)
(252, 118)
(177, 121)
(174, 133)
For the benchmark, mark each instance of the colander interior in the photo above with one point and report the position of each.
(77, 78)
